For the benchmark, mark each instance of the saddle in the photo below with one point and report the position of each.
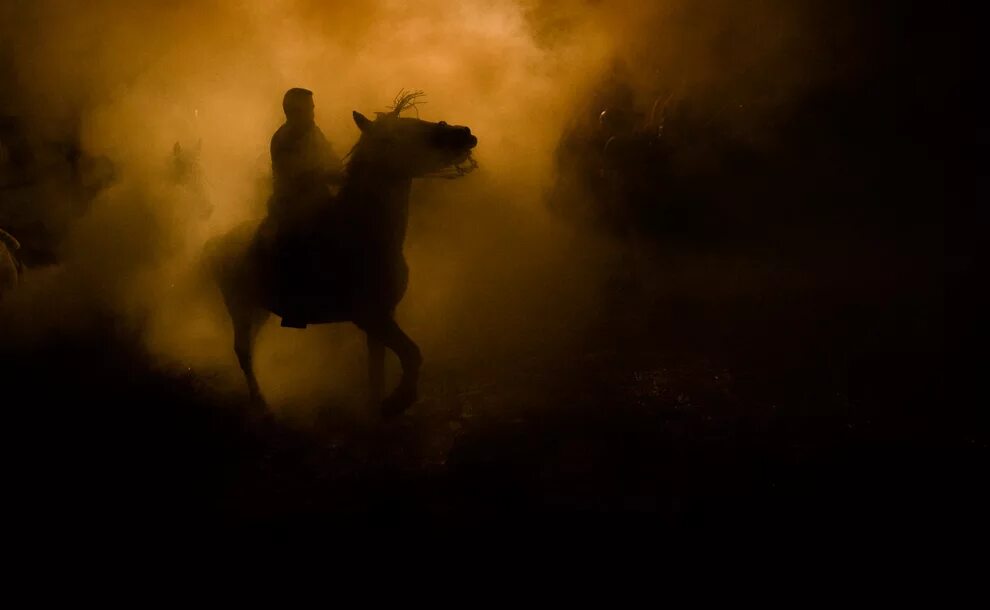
(283, 258)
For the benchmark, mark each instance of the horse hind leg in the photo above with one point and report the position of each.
(246, 327)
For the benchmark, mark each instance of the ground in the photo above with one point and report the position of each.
(777, 413)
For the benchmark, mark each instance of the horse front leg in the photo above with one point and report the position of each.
(409, 355)
(387, 331)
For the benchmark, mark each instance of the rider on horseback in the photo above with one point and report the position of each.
(356, 270)
(304, 165)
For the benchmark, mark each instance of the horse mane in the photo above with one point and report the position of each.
(404, 100)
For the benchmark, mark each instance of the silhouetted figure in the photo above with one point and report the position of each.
(353, 247)
(184, 164)
(186, 173)
(304, 165)
(46, 185)
(581, 190)
(633, 167)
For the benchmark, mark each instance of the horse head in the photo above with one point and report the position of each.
(406, 147)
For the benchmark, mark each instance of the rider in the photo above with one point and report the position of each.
(304, 165)
(303, 162)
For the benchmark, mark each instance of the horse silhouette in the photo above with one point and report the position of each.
(354, 270)
(185, 172)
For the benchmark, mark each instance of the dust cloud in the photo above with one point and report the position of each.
(492, 274)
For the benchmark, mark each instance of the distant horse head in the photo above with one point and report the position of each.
(185, 172)
(406, 147)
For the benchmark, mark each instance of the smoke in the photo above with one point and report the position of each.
(492, 274)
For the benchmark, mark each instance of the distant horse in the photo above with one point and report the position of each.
(185, 172)
(357, 271)
(10, 265)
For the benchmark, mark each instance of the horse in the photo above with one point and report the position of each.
(10, 265)
(355, 268)
(185, 173)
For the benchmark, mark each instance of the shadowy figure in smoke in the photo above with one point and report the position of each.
(46, 185)
(580, 191)
(611, 161)
(634, 168)
(350, 246)
(186, 173)
(625, 165)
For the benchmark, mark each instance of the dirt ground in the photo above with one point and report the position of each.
(794, 411)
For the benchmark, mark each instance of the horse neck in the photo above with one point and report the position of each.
(380, 201)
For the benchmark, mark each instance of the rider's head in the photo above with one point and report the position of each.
(298, 106)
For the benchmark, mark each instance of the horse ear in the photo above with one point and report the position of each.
(363, 122)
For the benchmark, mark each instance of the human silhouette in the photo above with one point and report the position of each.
(304, 165)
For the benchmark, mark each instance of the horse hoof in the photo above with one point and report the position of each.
(399, 401)
(256, 405)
